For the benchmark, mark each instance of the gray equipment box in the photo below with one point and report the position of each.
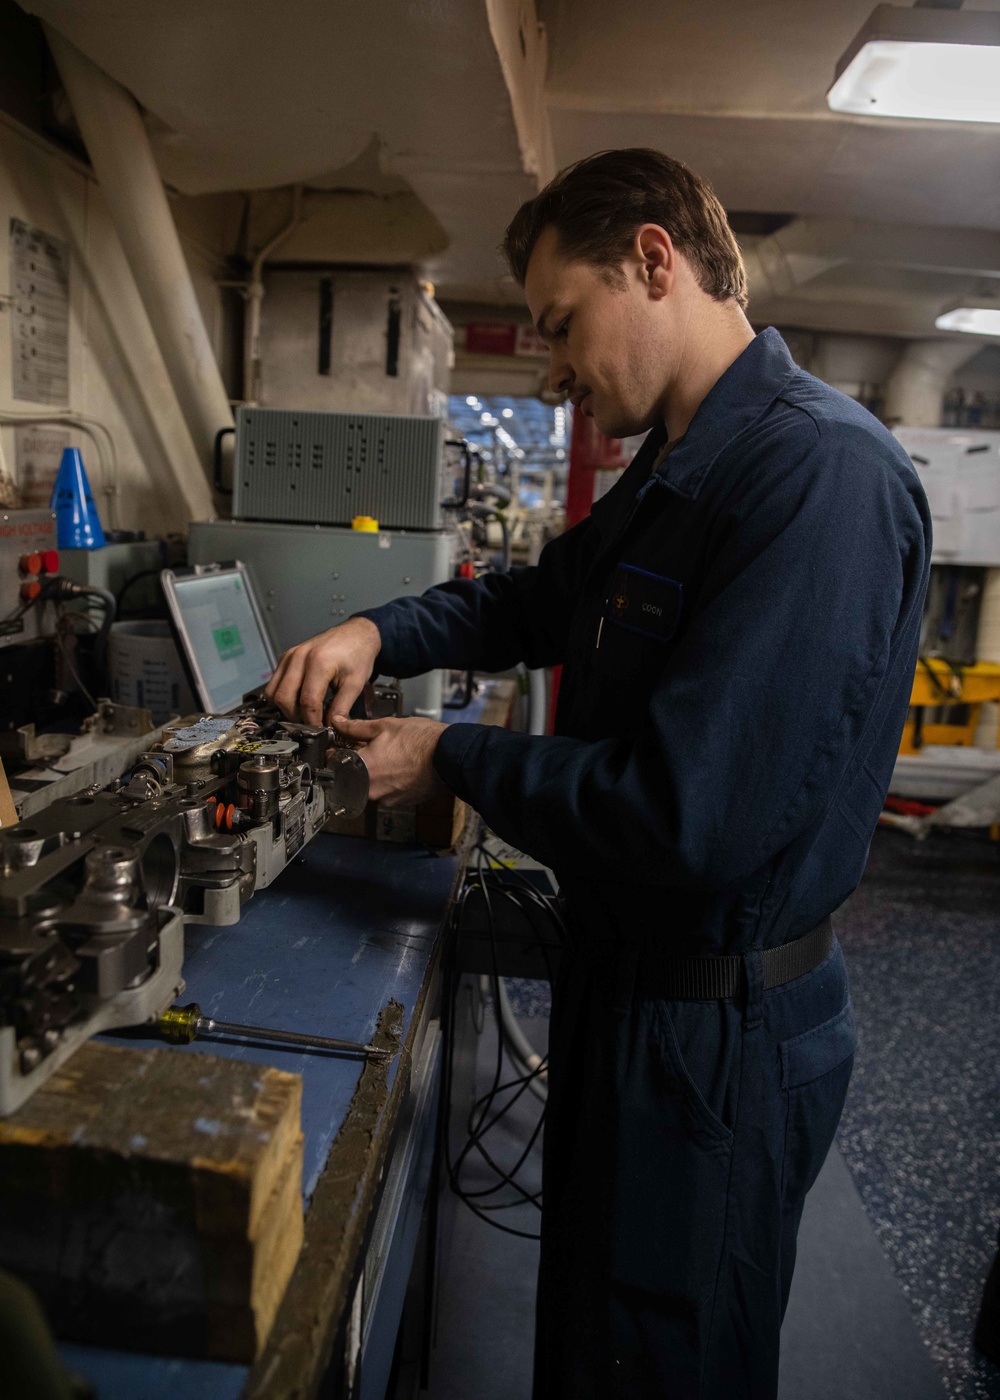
(113, 565)
(309, 577)
(330, 467)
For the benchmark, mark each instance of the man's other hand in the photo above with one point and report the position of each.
(399, 756)
(342, 658)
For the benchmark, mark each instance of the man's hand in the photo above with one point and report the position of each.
(342, 658)
(399, 755)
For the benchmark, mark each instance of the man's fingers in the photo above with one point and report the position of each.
(341, 658)
(277, 674)
(365, 729)
(286, 693)
(313, 693)
(344, 697)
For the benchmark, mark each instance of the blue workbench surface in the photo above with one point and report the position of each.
(350, 924)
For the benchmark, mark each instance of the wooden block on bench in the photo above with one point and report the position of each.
(153, 1199)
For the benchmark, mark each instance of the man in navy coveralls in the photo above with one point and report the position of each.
(738, 623)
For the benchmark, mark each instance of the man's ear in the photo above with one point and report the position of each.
(655, 251)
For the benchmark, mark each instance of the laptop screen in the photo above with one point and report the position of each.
(223, 636)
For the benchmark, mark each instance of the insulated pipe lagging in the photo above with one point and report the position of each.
(255, 298)
(915, 389)
(119, 150)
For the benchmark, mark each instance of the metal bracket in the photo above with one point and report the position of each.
(112, 718)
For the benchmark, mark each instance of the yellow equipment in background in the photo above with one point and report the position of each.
(940, 686)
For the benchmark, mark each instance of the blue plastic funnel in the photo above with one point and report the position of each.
(78, 525)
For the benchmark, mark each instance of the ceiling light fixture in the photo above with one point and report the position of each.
(932, 62)
(974, 316)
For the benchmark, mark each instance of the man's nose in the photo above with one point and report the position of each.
(560, 374)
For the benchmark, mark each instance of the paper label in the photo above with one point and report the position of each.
(39, 283)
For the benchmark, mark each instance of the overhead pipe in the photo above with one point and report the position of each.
(915, 389)
(255, 298)
(118, 145)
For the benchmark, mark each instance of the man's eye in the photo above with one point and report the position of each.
(562, 329)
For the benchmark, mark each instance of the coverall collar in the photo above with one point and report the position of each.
(742, 395)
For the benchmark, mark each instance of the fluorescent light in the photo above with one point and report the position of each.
(974, 320)
(936, 64)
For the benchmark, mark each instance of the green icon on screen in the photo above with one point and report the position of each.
(228, 642)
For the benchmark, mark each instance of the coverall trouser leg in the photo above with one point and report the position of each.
(680, 1141)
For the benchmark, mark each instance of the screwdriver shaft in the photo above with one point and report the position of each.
(209, 1026)
(183, 1024)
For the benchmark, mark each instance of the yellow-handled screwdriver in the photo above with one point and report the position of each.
(182, 1024)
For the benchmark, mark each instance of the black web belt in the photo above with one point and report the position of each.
(718, 978)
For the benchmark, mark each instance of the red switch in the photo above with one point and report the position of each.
(467, 570)
(30, 590)
(50, 561)
(30, 563)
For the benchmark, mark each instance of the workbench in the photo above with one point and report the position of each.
(350, 927)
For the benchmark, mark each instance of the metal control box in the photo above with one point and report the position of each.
(114, 565)
(309, 578)
(327, 468)
(23, 533)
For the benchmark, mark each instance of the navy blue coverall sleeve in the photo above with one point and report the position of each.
(757, 712)
(491, 623)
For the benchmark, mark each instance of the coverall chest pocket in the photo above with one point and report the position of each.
(815, 1072)
(637, 623)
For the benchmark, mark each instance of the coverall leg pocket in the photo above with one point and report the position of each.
(815, 1072)
(673, 1170)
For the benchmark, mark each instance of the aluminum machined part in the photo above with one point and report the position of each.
(109, 742)
(133, 1007)
(91, 884)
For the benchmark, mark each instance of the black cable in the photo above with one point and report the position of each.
(507, 1178)
(543, 947)
(69, 660)
(107, 600)
(495, 975)
(22, 608)
(484, 1115)
(546, 905)
(220, 436)
(540, 902)
(537, 897)
(486, 1099)
(135, 578)
(59, 590)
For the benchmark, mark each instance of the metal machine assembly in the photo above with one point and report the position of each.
(95, 888)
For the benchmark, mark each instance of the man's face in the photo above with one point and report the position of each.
(605, 341)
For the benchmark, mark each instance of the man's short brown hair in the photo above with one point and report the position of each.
(597, 205)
